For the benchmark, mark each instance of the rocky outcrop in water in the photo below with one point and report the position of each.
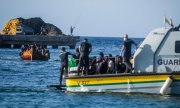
(37, 24)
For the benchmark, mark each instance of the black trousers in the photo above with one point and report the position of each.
(83, 62)
(127, 62)
(127, 59)
(63, 67)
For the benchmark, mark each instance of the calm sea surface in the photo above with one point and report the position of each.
(24, 83)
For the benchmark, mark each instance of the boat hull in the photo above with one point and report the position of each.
(26, 55)
(125, 83)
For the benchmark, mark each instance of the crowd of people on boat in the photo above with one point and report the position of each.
(38, 52)
(106, 64)
(101, 65)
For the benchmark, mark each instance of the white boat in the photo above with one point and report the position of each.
(156, 69)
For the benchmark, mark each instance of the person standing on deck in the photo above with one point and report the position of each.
(110, 65)
(77, 55)
(71, 30)
(85, 49)
(127, 50)
(64, 63)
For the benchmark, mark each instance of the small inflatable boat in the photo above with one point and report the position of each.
(30, 54)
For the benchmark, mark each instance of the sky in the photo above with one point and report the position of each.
(95, 17)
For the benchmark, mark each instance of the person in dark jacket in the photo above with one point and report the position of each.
(93, 66)
(64, 63)
(101, 64)
(120, 66)
(127, 49)
(85, 50)
(77, 55)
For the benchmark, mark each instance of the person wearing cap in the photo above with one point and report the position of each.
(127, 49)
(64, 63)
(85, 49)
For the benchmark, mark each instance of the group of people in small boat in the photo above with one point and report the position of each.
(104, 65)
(38, 52)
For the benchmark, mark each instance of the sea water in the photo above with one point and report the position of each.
(23, 84)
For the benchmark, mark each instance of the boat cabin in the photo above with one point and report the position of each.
(159, 52)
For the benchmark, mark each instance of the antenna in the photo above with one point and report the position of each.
(168, 22)
(171, 22)
(77, 21)
(73, 27)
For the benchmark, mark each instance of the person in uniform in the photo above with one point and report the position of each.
(64, 63)
(127, 49)
(85, 49)
(77, 55)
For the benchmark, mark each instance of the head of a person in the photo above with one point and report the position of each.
(101, 54)
(120, 59)
(85, 40)
(77, 50)
(63, 49)
(125, 37)
(110, 56)
(94, 59)
(106, 58)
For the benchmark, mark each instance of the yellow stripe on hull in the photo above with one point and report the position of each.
(118, 79)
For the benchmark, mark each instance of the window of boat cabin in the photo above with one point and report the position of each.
(177, 47)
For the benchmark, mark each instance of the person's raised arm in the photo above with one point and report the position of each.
(135, 45)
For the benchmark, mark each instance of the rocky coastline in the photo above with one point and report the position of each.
(37, 24)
